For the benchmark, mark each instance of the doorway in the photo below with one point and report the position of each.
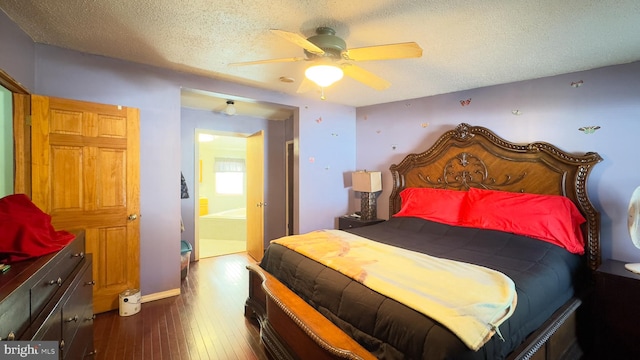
(221, 189)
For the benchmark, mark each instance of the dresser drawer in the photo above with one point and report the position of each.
(55, 273)
(14, 314)
(51, 327)
(69, 319)
(77, 310)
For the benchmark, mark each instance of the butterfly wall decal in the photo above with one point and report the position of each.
(576, 84)
(465, 102)
(589, 129)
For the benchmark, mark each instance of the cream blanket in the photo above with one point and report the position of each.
(470, 300)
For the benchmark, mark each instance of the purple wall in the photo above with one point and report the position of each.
(325, 164)
(274, 165)
(551, 110)
(17, 53)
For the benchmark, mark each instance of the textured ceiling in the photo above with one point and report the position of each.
(467, 44)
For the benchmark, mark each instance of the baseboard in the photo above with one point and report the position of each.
(160, 295)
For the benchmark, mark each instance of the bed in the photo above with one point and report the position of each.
(307, 310)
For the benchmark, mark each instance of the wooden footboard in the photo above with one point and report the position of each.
(291, 329)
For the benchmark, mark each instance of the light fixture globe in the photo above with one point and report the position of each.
(231, 108)
(324, 75)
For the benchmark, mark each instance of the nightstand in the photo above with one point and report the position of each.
(617, 311)
(348, 222)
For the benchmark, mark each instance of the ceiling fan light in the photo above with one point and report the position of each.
(324, 75)
(231, 108)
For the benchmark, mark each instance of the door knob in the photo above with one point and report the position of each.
(132, 217)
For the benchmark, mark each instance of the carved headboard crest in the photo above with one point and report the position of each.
(473, 156)
(462, 132)
(466, 170)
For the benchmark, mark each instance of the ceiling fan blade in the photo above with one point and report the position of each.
(298, 40)
(366, 77)
(268, 61)
(384, 52)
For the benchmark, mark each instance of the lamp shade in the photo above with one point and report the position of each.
(324, 75)
(366, 181)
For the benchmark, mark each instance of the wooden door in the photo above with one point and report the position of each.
(85, 174)
(255, 195)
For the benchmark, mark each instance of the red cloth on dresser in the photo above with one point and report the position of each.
(26, 231)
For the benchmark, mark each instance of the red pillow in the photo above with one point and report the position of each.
(552, 218)
(438, 205)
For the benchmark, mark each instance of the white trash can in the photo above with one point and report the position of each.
(129, 302)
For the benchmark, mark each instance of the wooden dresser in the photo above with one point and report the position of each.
(51, 298)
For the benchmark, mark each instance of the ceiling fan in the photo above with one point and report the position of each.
(331, 59)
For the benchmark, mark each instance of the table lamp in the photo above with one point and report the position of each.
(367, 183)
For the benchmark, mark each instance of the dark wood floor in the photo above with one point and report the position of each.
(205, 322)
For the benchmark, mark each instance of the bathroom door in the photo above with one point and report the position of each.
(255, 195)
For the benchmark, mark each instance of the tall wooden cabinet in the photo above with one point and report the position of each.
(51, 298)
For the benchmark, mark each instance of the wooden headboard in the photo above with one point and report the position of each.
(473, 156)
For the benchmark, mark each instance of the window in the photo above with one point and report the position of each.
(229, 176)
